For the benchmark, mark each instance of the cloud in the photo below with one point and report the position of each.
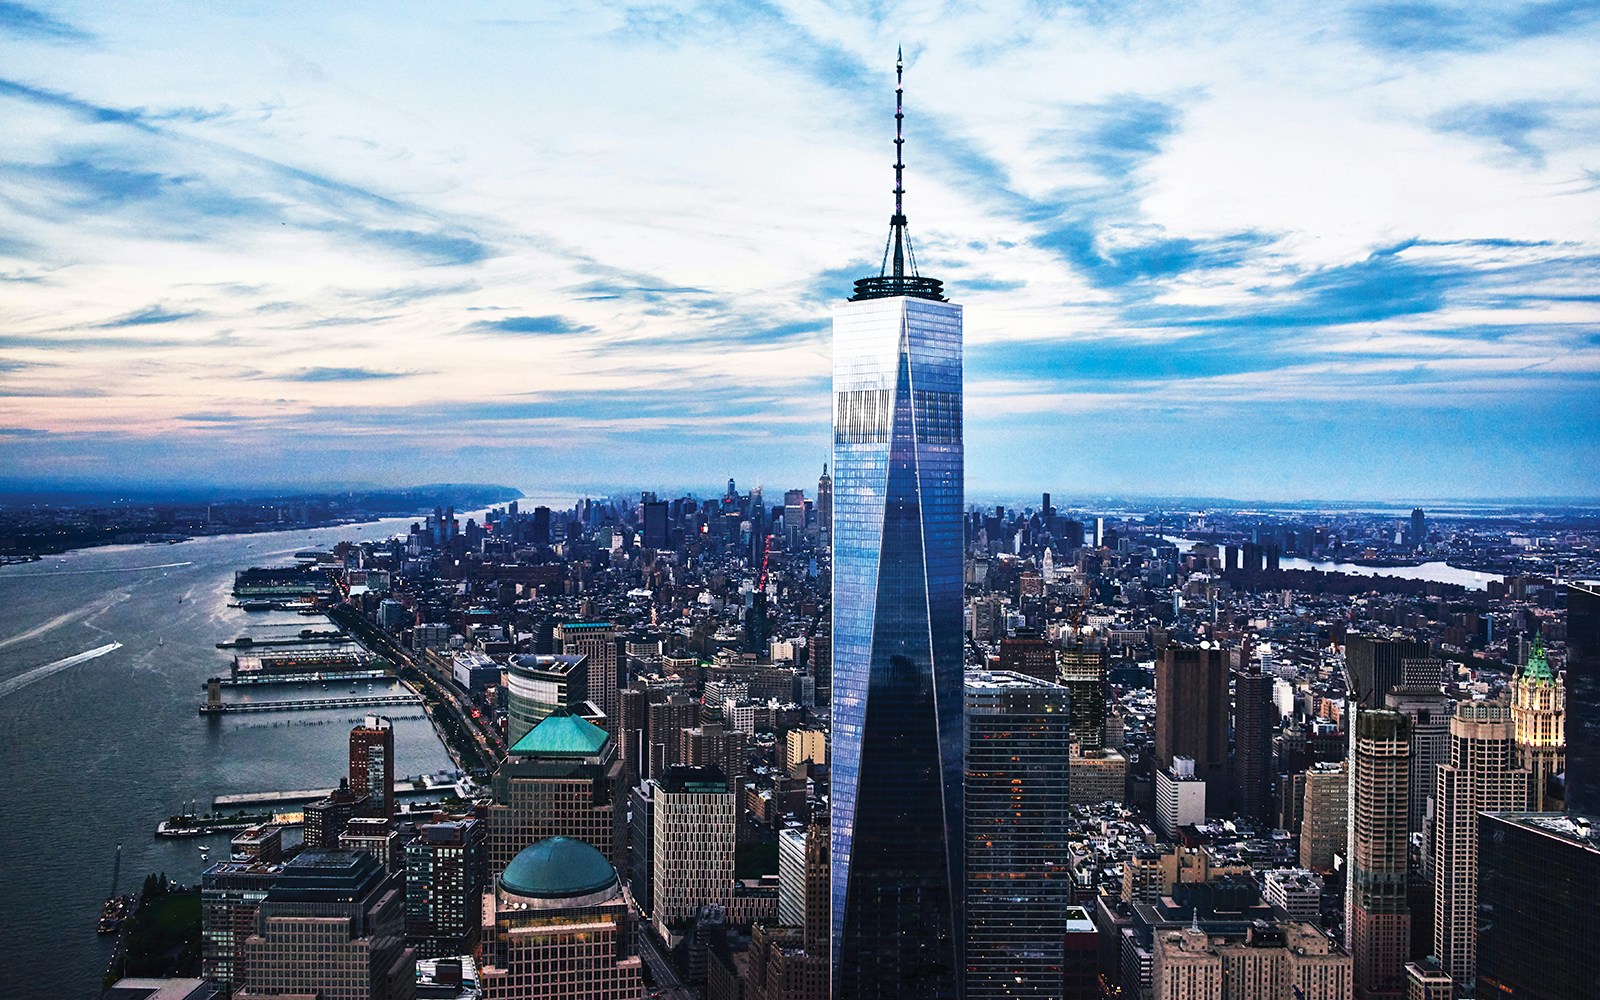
(1422, 28)
(26, 22)
(338, 375)
(149, 316)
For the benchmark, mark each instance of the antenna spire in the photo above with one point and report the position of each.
(898, 274)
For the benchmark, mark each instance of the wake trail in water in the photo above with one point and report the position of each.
(37, 674)
(38, 630)
(96, 572)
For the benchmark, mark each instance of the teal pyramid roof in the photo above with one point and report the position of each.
(561, 734)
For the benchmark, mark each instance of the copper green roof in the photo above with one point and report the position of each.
(1538, 668)
(558, 868)
(561, 734)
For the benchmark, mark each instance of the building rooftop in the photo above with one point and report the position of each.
(558, 868)
(561, 734)
(326, 876)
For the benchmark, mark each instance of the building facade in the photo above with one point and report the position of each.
(1192, 716)
(539, 684)
(562, 779)
(1377, 917)
(1538, 710)
(693, 818)
(1018, 811)
(897, 644)
(372, 763)
(446, 865)
(1538, 879)
(596, 642)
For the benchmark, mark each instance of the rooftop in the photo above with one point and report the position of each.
(558, 868)
(561, 734)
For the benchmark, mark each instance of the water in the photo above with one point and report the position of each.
(1438, 572)
(101, 671)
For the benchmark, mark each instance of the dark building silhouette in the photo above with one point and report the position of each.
(1192, 716)
(655, 525)
(1252, 738)
(1538, 880)
(1083, 674)
(1029, 655)
(1583, 701)
(1376, 665)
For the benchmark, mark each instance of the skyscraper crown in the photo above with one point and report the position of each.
(898, 274)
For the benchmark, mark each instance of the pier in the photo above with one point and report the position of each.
(430, 785)
(250, 680)
(314, 639)
(210, 707)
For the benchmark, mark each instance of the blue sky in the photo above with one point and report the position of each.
(1262, 251)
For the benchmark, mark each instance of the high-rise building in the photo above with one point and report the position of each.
(1192, 716)
(1425, 980)
(825, 506)
(1083, 674)
(562, 779)
(1252, 738)
(538, 684)
(372, 763)
(1031, 656)
(560, 925)
(1080, 957)
(897, 645)
(1480, 776)
(1538, 879)
(1538, 710)
(230, 900)
(655, 524)
(1583, 701)
(1325, 811)
(1377, 919)
(1180, 796)
(1017, 816)
(325, 819)
(1375, 665)
(332, 925)
(1419, 528)
(693, 818)
(597, 643)
(446, 865)
(1429, 709)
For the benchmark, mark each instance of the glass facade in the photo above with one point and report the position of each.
(897, 650)
(1538, 879)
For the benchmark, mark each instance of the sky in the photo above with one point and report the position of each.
(1275, 251)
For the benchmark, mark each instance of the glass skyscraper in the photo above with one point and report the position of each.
(897, 647)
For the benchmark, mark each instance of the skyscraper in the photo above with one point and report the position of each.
(1538, 709)
(1017, 816)
(597, 641)
(1583, 701)
(1480, 776)
(1192, 716)
(1083, 674)
(1252, 737)
(372, 763)
(1538, 878)
(825, 507)
(897, 647)
(1377, 919)
(1375, 665)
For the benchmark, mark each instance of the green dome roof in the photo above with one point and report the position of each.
(561, 734)
(558, 868)
(1538, 668)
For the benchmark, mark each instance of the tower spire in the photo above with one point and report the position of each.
(898, 273)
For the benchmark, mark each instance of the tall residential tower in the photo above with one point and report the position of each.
(897, 648)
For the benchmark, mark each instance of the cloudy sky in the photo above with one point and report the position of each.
(1261, 251)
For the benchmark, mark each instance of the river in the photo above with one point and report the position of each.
(101, 671)
(1438, 572)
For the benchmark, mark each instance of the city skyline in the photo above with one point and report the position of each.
(1277, 254)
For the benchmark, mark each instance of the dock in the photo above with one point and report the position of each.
(251, 680)
(432, 785)
(316, 639)
(209, 707)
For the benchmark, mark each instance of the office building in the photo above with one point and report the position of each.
(1429, 711)
(230, 900)
(1295, 891)
(325, 819)
(1377, 918)
(1538, 710)
(1080, 957)
(331, 926)
(1083, 674)
(655, 524)
(1425, 980)
(1248, 961)
(372, 763)
(560, 925)
(1480, 776)
(1583, 701)
(1031, 656)
(1097, 776)
(377, 836)
(1017, 815)
(596, 642)
(1252, 738)
(693, 829)
(562, 779)
(897, 643)
(446, 867)
(1538, 879)
(538, 684)
(1374, 665)
(1180, 796)
(1192, 716)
